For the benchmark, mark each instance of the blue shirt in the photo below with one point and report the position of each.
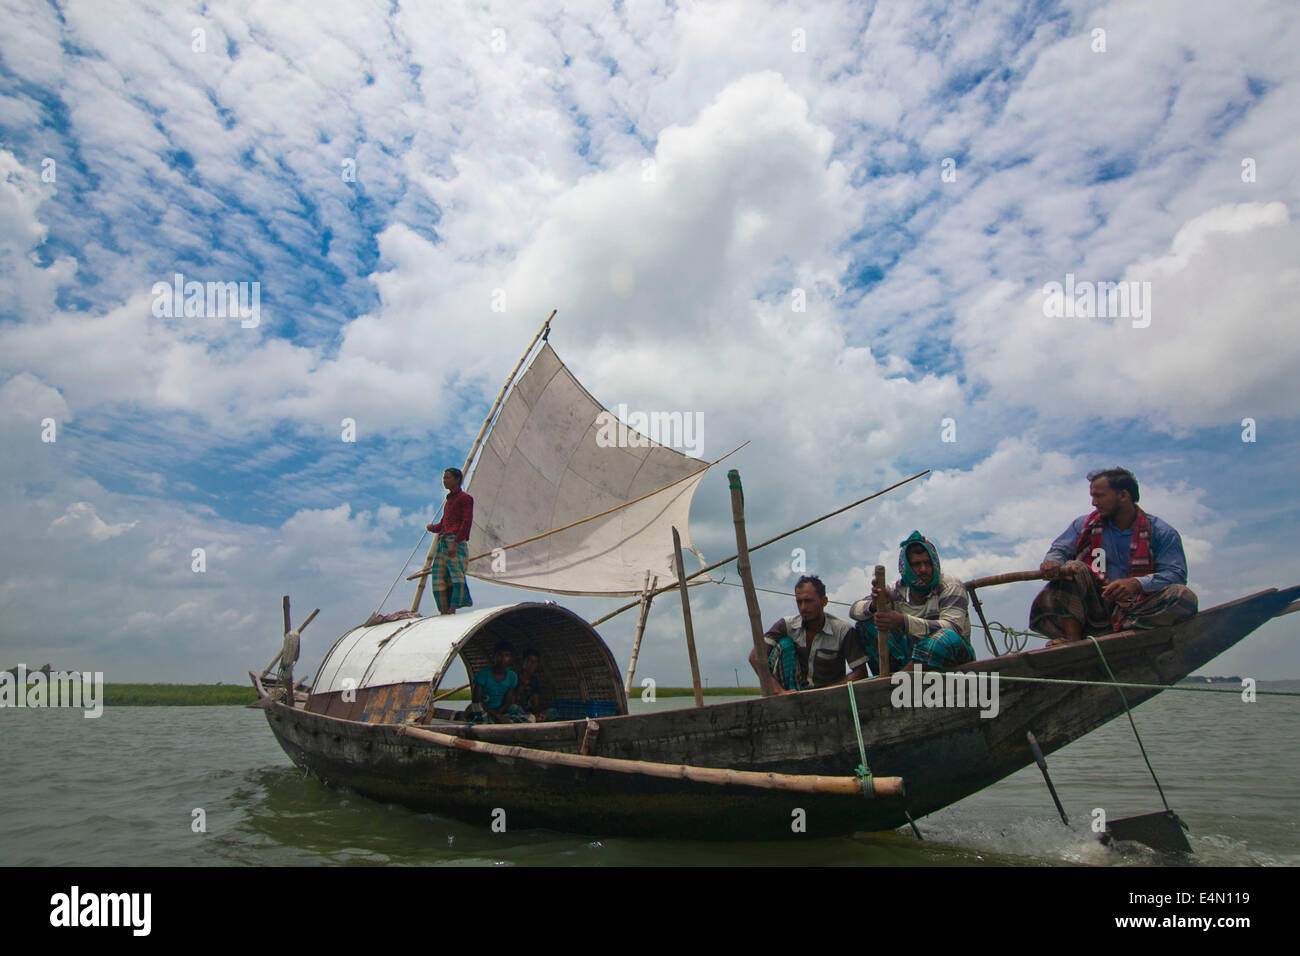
(494, 691)
(1166, 552)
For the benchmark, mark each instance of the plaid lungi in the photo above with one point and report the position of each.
(899, 651)
(938, 651)
(942, 650)
(1079, 596)
(787, 669)
(447, 577)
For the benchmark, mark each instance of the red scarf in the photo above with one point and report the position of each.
(1139, 550)
(1140, 561)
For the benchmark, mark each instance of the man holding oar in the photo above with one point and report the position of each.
(447, 573)
(1114, 569)
(927, 620)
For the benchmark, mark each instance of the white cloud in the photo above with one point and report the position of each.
(80, 519)
(1223, 299)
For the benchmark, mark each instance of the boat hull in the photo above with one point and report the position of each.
(943, 753)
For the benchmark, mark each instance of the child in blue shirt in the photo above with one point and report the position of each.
(494, 689)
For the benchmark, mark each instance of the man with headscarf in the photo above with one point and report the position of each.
(1114, 569)
(928, 625)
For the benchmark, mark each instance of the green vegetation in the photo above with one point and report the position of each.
(177, 695)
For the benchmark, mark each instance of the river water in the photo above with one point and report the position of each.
(124, 790)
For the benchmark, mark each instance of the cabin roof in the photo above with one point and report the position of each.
(575, 660)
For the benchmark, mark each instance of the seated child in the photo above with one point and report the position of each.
(494, 690)
(530, 695)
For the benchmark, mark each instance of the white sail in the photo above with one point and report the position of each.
(542, 467)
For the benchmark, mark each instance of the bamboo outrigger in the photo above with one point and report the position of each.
(839, 759)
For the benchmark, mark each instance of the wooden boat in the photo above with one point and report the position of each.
(372, 744)
(766, 768)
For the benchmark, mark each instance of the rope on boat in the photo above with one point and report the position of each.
(737, 584)
(1012, 639)
(1129, 714)
(402, 569)
(862, 771)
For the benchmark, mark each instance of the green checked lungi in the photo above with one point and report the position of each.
(900, 652)
(788, 671)
(448, 574)
(940, 650)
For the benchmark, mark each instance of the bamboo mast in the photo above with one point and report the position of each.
(786, 534)
(640, 629)
(686, 618)
(433, 546)
(751, 597)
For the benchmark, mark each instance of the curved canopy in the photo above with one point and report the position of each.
(575, 660)
(555, 456)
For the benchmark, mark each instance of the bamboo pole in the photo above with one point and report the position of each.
(686, 618)
(728, 560)
(640, 630)
(433, 545)
(448, 693)
(573, 524)
(883, 603)
(1007, 578)
(427, 714)
(751, 598)
(797, 783)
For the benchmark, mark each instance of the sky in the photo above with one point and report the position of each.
(830, 229)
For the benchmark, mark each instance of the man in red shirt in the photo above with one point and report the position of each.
(447, 575)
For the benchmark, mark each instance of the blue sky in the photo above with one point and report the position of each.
(665, 175)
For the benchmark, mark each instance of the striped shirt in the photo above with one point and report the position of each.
(946, 606)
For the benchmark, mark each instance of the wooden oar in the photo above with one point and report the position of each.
(1162, 830)
(797, 783)
(1042, 765)
(1007, 578)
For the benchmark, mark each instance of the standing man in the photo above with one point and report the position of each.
(810, 649)
(447, 574)
(1114, 569)
(928, 624)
